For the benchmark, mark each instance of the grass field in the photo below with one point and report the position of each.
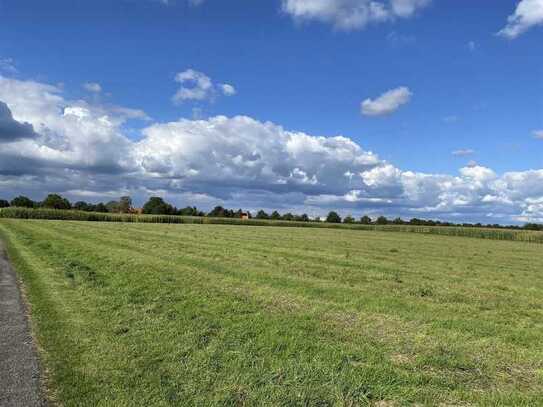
(151, 314)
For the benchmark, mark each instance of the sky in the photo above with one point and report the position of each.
(411, 108)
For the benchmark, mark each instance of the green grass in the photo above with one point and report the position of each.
(148, 314)
(483, 233)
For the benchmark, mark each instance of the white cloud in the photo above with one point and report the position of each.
(227, 89)
(472, 45)
(7, 65)
(92, 87)
(463, 152)
(387, 103)
(197, 86)
(352, 14)
(528, 14)
(538, 134)
(83, 150)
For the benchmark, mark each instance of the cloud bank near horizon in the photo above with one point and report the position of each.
(83, 150)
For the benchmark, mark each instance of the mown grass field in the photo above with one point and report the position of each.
(153, 314)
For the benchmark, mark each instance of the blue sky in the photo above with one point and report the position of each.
(471, 90)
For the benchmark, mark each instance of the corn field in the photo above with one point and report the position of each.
(72, 215)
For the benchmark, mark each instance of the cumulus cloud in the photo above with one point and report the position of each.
(352, 14)
(528, 14)
(83, 150)
(538, 134)
(11, 129)
(227, 89)
(387, 103)
(92, 87)
(463, 152)
(197, 86)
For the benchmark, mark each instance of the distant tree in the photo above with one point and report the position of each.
(4, 203)
(275, 215)
(317, 219)
(55, 201)
(113, 207)
(288, 216)
(333, 217)
(533, 226)
(125, 204)
(156, 206)
(82, 206)
(304, 217)
(217, 212)
(22, 202)
(190, 211)
(381, 220)
(99, 207)
(365, 220)
(398, 221)
(262, 215)
(349, 219)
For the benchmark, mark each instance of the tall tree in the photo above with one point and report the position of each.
(275, 215)
(333, 217)
(55, 201)
(157, 206)
(365, 220)
(262, 215)
(348, 219)
(22, 202)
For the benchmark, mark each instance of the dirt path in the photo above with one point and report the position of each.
(19, 367)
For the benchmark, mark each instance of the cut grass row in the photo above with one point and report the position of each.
(146, 314)
(482, 233)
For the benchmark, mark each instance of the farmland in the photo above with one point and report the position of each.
(173, 314)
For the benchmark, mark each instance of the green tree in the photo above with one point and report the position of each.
(365, 220)
(112, 207)
(275, 215)
(217, 212)
(262, 215)
(125, 204)
(157, 206)
(333, 217)
(22, 202)
(349, 219)
(4, 203)
(288, 216)
(381, 220)
(82, 206)
(190, 211)
(55, 201)
(99, 207)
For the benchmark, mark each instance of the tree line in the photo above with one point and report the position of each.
(157, 206)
